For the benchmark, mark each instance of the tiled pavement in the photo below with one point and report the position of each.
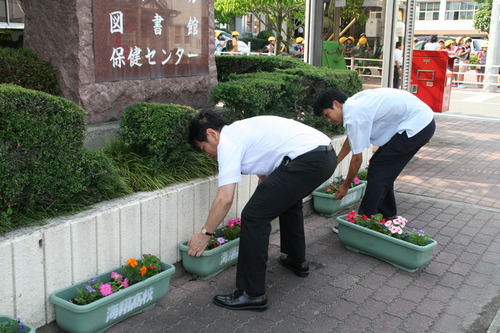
(451, 190)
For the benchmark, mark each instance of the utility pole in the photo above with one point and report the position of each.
(490, 80)
(314, 32)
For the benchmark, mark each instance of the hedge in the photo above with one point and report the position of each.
(23, 67)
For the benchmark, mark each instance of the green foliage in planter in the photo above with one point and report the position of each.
(230, 64)
(24, 68)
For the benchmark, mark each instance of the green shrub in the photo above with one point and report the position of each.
(23, 67)
(40, 148)
(256, 94)
(230, 64)
(256, 44)
(285, 92)
(159, 130)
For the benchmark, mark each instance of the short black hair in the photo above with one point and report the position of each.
(325, 98)
(398, 44)
(202, 121)
(434, 38)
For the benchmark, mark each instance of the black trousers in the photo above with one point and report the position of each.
(279, 195)
(385, 166)
(395, 81)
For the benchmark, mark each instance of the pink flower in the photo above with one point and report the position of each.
(116, 276)
(106, 289)
(328, 189)
(356, 180)
(125, 283)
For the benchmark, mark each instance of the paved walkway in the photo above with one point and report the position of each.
(451, 190)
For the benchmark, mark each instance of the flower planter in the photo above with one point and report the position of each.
(326, 204)
(399, 253)
(105, 312)
(211, 262)
(27, 328)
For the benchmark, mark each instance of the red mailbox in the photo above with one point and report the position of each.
(431, 76)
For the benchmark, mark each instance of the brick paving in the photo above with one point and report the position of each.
(451, 190)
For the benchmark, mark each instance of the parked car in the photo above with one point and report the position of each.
(242, 46)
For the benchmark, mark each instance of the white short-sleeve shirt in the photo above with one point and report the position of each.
(374, 116)
(257, 146)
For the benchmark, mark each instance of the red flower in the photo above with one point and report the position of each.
(216, 244)
(364, 217)
(351, 216)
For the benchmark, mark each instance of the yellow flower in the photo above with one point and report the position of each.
(143, 270)
(132, 262)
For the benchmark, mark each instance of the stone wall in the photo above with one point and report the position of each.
(62, 32)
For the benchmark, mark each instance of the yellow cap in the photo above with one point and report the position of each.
(299, 40)
(362, 41)
(459, 39)
(235, 33)
(485, 45)
(448, 42)
(351, 38)
(217, 34)
(271, 38)
(342, 40)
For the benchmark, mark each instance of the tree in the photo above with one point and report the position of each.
(281, 15)
(353, 10)
(482, 17)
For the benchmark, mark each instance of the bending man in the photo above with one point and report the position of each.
(291, 160)
(395, 120)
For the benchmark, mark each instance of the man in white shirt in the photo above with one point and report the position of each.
(433, 44)
(395, 120)
(291, 160)
(398, 62)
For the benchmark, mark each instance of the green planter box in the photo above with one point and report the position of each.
(211, 262)
(326, 204)
(105, 312)
(27, 328)
(399, 253)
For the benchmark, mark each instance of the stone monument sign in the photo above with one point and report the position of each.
(112, 53)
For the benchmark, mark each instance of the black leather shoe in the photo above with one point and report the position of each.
(299, 268)
(240, 300)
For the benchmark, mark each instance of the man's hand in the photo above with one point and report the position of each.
(197, 244)
(342, 191)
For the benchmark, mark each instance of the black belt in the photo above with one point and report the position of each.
(322, 148)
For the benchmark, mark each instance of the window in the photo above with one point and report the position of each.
(428, 11)
(10, 12)
(463, 10)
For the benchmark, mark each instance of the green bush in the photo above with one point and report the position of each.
(230, 64)
(23, 67)
(159, 130)
(41, 148)
(256, 44)
(285, 92)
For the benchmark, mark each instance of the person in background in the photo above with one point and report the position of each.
(291, 160)
(398, 63)
(271, 46)
(235, 35)
(448, 47)
(481, 60)
(463, 55)
(347, 53)
(441, 45)
(415, 41)
(299, 48)
(220, 43)
(459, 41)
(395, 120)
(433, 44)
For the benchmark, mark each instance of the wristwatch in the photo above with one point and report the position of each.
(204, 231)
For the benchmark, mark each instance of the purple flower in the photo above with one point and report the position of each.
(116, 276)
(92, 280)
(90, 289)
(221, 240)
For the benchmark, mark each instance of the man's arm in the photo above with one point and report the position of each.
(218, 211)
(344, 151)
(354, 166)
